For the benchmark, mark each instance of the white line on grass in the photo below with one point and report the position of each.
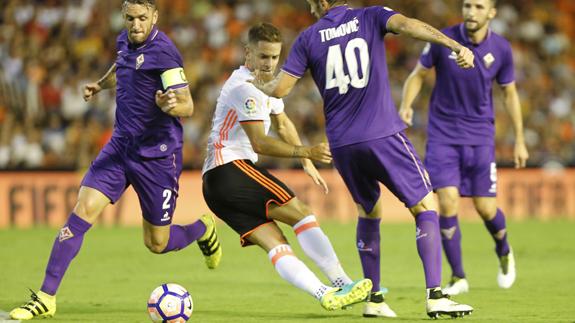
(5, 318)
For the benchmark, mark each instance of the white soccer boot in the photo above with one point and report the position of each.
(456, 286)
(376, 306)
(439, 304)
(506, 274)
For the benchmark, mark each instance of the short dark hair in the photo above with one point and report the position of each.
(332, 2)
(264, 32)
(147, 3)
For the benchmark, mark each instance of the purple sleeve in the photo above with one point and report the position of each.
(382, 15)
(506, 73)
(297, 61)
(429, 55)
(169, 58)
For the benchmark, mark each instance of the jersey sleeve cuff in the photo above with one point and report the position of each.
(291, 73)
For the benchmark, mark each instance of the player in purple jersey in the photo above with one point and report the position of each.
(460, 144)
(345, 52)
(145, 152)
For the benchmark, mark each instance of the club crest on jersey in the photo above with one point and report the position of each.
(139, 61)
(65, 234)
(488, 60)
(250, 106)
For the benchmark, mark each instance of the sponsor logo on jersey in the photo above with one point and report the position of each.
(250, 106)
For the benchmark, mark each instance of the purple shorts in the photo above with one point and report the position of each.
(472, 169)
(391, 161)
(155, 180)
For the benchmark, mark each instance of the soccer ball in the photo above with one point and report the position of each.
(170, 303)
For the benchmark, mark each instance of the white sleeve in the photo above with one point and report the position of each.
(277, 105)
(249, 103)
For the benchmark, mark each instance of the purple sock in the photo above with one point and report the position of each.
(451, 239)
(65, 248)
(182, 235)
(498, 230)
(429, 246)
(368, 239)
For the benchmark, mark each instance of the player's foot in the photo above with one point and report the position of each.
(506, 274)
(209, 243)
(338, 298)
(439, 304)
(456, 286)
(376, 306)
(40, 305)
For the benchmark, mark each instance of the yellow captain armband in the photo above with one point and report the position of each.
(174, 76)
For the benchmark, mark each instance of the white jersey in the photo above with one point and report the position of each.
(239, 101)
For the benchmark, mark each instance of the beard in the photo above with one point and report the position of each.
(474, 26)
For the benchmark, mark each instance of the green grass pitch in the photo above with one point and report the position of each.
(112, 277)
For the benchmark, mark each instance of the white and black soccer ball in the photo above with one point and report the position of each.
(170, 303)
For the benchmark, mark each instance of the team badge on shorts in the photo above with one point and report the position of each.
(250, 106)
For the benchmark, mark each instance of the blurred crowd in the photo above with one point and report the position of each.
(50, 48)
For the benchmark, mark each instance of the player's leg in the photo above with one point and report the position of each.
(240, 197)
(355, 164)
(156, 183)
(443, 162)
(494, 221)
(311, 238)
(104, 183)
(483, 177)
(270, 238)
(448, 198)
(402, 172)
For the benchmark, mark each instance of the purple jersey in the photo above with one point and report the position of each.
(140, 71)
(461, 108)
(346, 55)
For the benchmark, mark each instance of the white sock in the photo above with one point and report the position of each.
(318, 248)
(295, 271)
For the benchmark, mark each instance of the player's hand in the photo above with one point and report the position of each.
(311, 171)
(465, 58)
(166, 100)
(320, 153)
(520, 155)
(90, 90)
(406, 114)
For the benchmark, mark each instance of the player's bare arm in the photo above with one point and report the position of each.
(107, 81)
(513, 107)
(417, 29)
(266, 145)
(288, 133)
(279, 87)
(411, 89)
(176, 102)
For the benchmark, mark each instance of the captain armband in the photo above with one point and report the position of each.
(174, 76)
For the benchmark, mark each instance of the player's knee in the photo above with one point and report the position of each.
(87, 209)
(487, 212)
(155, 245)
(426, 204)
(448, 204)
